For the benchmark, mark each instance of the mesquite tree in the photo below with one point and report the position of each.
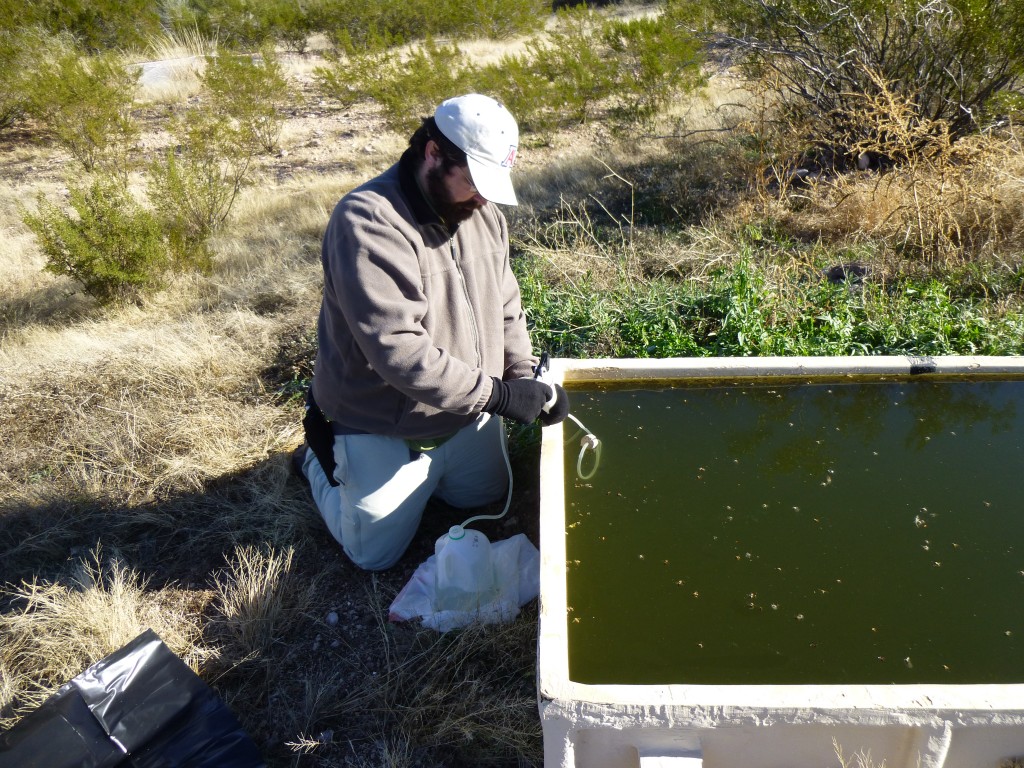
(953, 59)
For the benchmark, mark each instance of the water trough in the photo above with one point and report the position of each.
(947, 704)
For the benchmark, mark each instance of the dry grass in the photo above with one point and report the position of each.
(144, 406)
(964, 204)
(258, 595)
(175, 63)
(463, 693)
(941, 203)
(858, 760)
(55, 630)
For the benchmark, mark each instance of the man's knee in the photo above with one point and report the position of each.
(373, 561)
(378, 545)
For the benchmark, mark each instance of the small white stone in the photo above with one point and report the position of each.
(332, 619)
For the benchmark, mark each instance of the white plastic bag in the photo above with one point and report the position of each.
(516, 574)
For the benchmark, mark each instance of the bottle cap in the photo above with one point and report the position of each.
(456, 532)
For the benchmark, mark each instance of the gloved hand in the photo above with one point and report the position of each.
(518, 399)
(559, 410)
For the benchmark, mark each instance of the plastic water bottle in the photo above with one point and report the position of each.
(464, 577)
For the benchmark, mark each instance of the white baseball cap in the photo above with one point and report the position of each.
(488, 134)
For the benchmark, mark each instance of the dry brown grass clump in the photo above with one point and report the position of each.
(57, 629)
(935, 200)
(258, 595)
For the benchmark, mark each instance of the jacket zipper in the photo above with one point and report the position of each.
(469, 304)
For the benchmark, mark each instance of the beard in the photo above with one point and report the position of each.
(441, 198)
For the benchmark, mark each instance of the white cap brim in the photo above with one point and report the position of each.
(493, 184)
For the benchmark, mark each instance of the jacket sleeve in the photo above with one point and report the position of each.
(375, 275)
(519, 358)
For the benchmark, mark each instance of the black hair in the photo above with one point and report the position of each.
(428, 131)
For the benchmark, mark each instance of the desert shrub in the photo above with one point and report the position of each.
(629, 70)
(359, 23)
(250, 91)
(626, 70)
(20, 52)
(429, 74)
(528, 93)
(194, 185)
(407, 87)
(292, 22)
(86, 105)
(950, 58)
(108, 242)
(350, 76)
(655, 60)
(946, 201)
(97, 25)
(411, 20)
(572, 61)
(236, 23)
(347, 25)
(495, 19)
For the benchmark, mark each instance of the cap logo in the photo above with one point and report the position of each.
(510, 158)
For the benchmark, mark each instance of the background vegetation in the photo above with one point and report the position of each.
(694, 179)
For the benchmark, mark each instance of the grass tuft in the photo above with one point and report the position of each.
(259, 595)
(58, 629)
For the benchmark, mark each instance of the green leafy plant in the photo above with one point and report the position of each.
(251, 92)
(86, 105)
(194, 187)
(97, 25)
(108, 242)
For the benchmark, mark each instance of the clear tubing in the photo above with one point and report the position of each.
(508, 497)
(589, 442)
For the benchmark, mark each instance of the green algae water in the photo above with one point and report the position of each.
(798, 533)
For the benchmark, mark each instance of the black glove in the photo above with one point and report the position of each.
(518, 399)
(559, 410)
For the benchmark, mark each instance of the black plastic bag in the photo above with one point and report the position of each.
(140, 707)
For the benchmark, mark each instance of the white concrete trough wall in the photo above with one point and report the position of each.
(754, 726)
